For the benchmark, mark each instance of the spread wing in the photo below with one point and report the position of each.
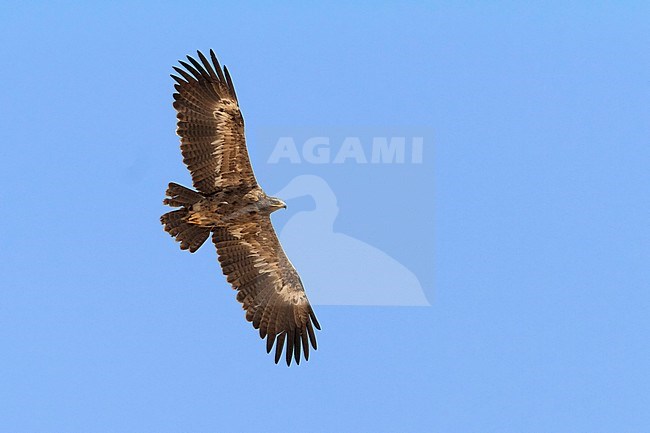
(269, 287)
(211, 126)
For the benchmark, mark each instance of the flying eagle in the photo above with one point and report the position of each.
(231, 206)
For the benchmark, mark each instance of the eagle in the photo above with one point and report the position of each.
(230, 206)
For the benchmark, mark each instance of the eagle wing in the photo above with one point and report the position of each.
(268, 285)
(211, 126)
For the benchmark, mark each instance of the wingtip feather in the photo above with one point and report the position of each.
(296, 350)
(278, 347)
(270, 339)
(289, 350)
(313, 318)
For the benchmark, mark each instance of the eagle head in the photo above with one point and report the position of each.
(275, 203)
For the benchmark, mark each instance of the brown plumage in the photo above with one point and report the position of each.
(232, 207)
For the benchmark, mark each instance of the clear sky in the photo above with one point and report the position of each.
(524, 222)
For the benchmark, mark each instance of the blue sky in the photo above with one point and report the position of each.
(526, 223)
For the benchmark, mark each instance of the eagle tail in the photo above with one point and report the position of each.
(189, 235)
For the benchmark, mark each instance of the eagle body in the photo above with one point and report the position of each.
(229, 206)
